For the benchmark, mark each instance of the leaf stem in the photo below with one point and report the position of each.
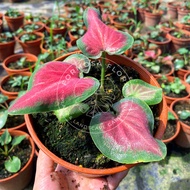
(103, 70)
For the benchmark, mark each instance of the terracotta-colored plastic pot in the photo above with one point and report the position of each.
(182, 26)
(5, 79)
(140, 15)
(152, 19)
(13, 58)
(177, 43)
(183, 139)
(172, 10)
(21, 179)
(162, 110)
(34, 46)
(168, 140)
(7, 49)
(163, 46)
(15, 23)
(119, 24)
(182, 12)
(55, 31)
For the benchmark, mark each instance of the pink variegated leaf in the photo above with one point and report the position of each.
(102, 38)
(139, 89)
(150, 54)
(126, 136)
(80, 61)
(167, 58)
(55, 85)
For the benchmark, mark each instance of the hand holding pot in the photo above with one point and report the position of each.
(47, 177)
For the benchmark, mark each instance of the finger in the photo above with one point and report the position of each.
(114, 180)
(44, 164)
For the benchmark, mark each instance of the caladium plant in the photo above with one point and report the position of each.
(123, 133)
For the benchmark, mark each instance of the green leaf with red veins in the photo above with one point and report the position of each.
(55, 85)
(102, 38)
(80, 61)
(126, 136)
(139, 89)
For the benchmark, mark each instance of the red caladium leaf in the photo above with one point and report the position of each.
(101, 38)
(55, 85)
(139, 89)
(126, 137)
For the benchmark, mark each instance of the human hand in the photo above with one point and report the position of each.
(49, 178)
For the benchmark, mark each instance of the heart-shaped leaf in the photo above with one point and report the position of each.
(13, 165)
(126, 137)
(102, 38)
(80, 61)
(55, 85)
(139, 89)
(71, 112)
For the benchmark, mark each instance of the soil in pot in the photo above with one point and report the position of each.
(170, 129)
(71, 141)
(23, 151)
(164, 69)
(13, 121)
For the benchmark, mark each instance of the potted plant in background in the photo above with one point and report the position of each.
(56, 24)
(31, 42)
(153, 13)
(83, 103)
(182, 109)
(179, 39)
(184, 23)
(17, 159)
(160, 38)
(14, 19)
(173, 88)
(172, 11)
(181, 62)
(183, 9)
(7, 45)
(54, 45)
(30, 27)
(12, 84)
(11, 122)
(35, 18)
(21, 62)
(158, 66)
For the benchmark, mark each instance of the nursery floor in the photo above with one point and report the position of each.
(172, 173)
